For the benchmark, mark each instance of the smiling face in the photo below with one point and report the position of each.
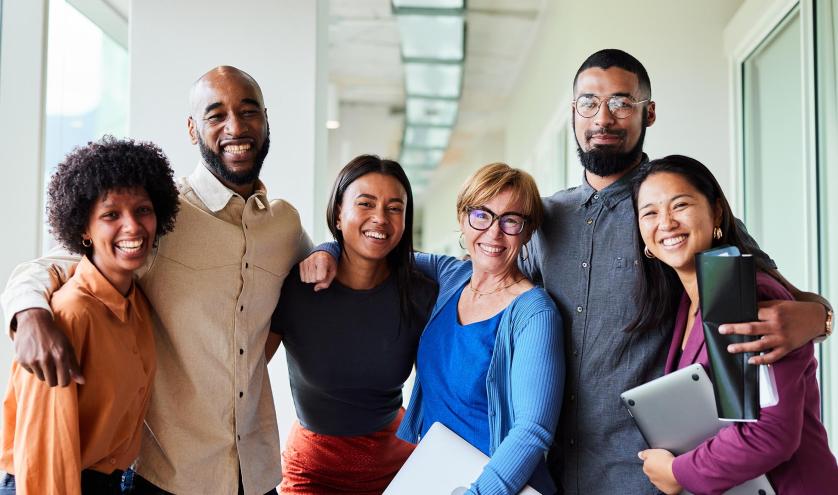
(491, 250)
(229, 123)
(676, 221)
(371, 218)
(608, 145)
(121, 229)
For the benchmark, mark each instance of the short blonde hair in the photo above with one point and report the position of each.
(494, 178)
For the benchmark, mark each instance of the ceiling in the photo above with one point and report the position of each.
(365, 60)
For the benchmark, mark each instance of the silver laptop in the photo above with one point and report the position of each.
(442, 464)
(677, 412)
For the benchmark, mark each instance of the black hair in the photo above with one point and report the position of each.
(612, 57)
(659, 289)
(400, 259)
(109, 164)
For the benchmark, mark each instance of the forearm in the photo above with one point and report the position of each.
(32, 283)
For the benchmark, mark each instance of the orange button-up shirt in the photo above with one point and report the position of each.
(50, 435)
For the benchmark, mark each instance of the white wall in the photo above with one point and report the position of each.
(173, 43)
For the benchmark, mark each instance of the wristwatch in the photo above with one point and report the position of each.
(828, 331)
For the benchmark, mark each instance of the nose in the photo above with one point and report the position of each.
(667, 221)
(131, 224)
(604, 117)
(235, 125)
(379, 214)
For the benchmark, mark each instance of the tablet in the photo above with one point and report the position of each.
(442, 464)
(677, 412)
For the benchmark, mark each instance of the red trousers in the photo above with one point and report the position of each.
(315, 464)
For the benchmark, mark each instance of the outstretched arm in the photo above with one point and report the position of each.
(783, 325)
(41, 348)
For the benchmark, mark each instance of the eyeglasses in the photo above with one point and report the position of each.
(621, 107)
(510, 223)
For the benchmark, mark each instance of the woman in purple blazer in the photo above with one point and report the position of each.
(682, 211)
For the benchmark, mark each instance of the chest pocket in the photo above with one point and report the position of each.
(201, 242)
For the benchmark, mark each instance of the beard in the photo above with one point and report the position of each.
(607, 161)
(216, 164)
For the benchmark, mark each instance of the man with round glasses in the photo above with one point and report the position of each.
(585, 255)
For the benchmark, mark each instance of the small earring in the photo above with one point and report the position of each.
(460, 241)
(648, 253)
(86, 242)
(717, 233)
(525, 255)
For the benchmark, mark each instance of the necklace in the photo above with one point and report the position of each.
(493, 291)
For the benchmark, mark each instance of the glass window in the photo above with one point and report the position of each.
(776, 200)
(87, 86)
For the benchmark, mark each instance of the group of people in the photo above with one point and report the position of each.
(142, 349)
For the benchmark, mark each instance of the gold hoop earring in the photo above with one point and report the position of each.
(460, 241)
(86, 242)
(648, 253)
(717, 233)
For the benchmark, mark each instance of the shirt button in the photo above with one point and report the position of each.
(584, 264)
(246, 265)
(589, 221)
(572, 442)
(572, 397)
(241, 394)
(239, 437)
(241, 351)
(575, 352)
(112, 460)
(241, 308)
(596, 196)
(492, 413)
(578, 309)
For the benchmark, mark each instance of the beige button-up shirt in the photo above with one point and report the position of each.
(213, 283)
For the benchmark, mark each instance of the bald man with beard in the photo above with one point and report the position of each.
(213, 282)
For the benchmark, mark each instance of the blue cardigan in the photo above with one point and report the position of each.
(525, 381)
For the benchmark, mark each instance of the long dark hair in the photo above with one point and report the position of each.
(400, 259)
(659, 289)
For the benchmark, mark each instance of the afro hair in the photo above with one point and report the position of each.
(106, 165)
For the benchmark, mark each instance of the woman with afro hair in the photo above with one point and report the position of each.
(108, 201)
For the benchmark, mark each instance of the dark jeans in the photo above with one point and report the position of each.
(92, 483)
(134, 484)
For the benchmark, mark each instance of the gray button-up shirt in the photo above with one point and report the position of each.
(586, 256)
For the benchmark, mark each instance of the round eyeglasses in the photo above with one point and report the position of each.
(621, 107)
(511, 223)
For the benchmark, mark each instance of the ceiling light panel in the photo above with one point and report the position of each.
(434, 80)
(426, 137)
(429, 4)
(419, 158)
(437, 37)
(431, 112)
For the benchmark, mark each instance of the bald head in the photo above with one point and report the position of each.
(219, 79)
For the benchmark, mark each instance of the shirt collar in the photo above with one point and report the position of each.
(216, 195)
(91, 279)
(614, 193)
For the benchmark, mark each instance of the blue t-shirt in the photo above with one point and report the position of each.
(452, 363)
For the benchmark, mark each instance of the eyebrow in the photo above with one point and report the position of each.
(612, 94)
(684, 195)
(370, 196)
(213, 106)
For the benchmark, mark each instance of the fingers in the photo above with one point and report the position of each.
(749, 328)
(770, 357)
(759, 345)
(50, 375)
(642, 455)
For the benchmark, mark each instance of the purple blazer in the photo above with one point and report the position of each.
(788, 442)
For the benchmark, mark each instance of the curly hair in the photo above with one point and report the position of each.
(109, 164)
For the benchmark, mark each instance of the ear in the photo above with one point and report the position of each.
(337, 219)
(717, 213)
(193, 131)
(651, 115)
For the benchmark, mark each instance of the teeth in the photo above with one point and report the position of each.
(129, 246)
(236, 148)
(375, 235)
(491, 249)
(673, 240)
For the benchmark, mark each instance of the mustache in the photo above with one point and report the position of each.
(618, 133)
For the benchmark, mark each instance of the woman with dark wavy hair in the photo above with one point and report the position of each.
(351, 347)
(682, 211)
(108, 201)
